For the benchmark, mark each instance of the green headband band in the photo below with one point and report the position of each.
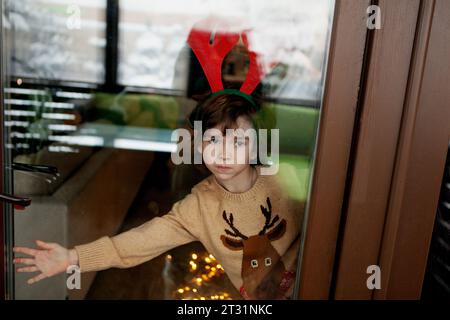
(237, 93)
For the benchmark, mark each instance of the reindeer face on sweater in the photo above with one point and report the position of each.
(262, 267)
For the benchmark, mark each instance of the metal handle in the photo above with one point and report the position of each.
(35, 168)
(18, 202)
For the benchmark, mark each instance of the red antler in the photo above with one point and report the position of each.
(211, 56)
(210, 50)
(255, 73)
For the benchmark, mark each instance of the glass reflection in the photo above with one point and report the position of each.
(111, 142)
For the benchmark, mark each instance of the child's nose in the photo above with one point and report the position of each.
(226, 151)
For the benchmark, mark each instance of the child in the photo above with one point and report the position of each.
(240, 216)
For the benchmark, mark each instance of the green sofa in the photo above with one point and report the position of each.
(297, 128)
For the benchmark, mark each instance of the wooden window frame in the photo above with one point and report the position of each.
(336, 128)
(396, 175)
(420, 160)
(373, 161)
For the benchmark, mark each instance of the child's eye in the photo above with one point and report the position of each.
(239, 142)
(213, 139)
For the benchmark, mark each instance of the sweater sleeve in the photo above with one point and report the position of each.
(143, 243)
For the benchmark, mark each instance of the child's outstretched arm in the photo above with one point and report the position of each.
(48, 259)
(181, 225)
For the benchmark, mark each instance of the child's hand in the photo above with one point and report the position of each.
(49, 259)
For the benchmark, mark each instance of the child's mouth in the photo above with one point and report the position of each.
(222, 168)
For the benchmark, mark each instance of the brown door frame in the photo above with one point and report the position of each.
(385, 85)
(339, 108)
(399, 153)
(420, 160)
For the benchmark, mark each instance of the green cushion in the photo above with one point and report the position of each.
(297, 124)
(294, 172)
(298, 127)
(140, 110)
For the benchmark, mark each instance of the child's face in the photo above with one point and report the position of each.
(226, 156)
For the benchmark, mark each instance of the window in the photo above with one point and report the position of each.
(292, 38)
(56, 40)
(106, 126)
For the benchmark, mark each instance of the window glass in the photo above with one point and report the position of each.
(57, 39)
(291, 37)
(101, 160)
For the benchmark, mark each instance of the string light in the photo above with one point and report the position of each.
(205, 269)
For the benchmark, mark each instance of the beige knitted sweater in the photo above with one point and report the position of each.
(254, 235)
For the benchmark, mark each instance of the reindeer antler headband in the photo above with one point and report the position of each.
(211, 48)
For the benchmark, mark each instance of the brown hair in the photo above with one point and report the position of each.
(223, 109)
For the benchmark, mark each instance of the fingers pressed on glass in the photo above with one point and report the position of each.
(28, 251)
(36, 279)
(44, 245)
(28, 269)
(26, 261)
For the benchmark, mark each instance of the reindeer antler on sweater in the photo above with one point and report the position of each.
(268, 214)
(236, 232)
